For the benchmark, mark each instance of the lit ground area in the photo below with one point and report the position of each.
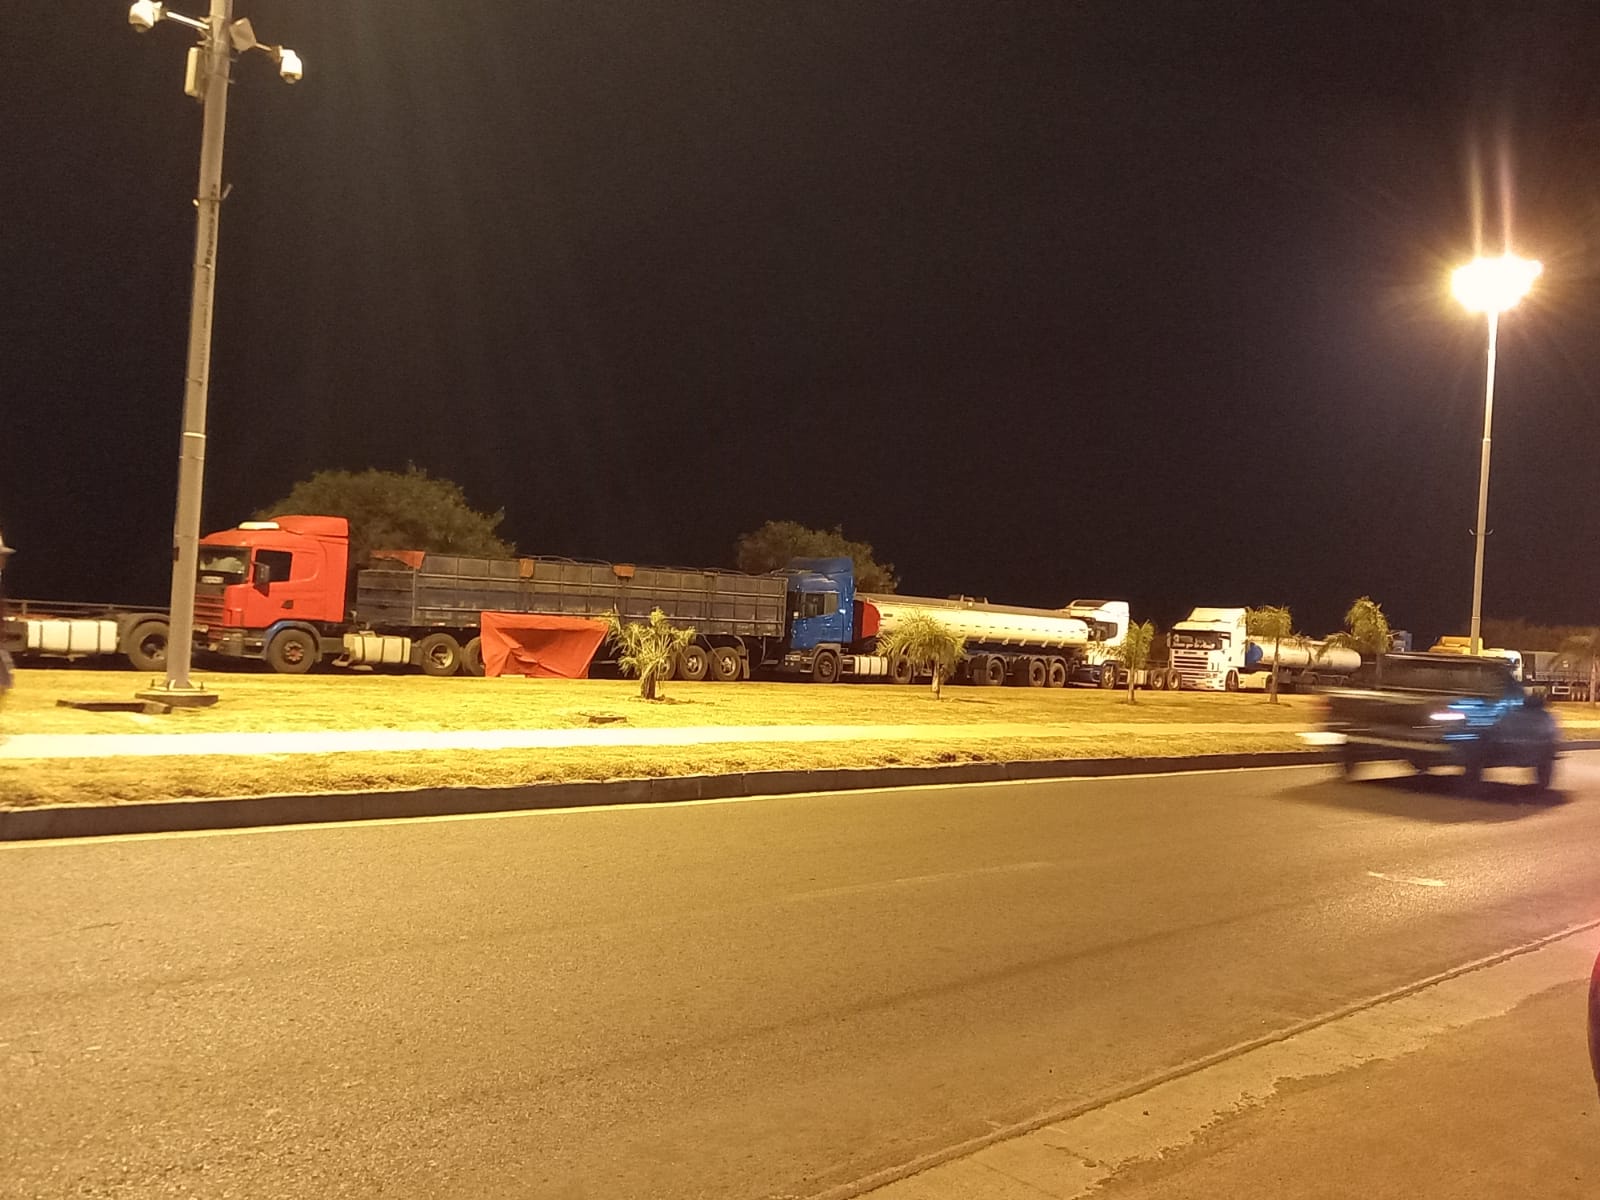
(865, 726)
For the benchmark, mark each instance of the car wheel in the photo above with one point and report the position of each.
(1544, 773)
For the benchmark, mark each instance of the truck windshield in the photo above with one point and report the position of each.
(1189, 639)
(223, 564)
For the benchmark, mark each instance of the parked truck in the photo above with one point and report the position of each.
(1211, 650)
(283, 591)
(54, 629)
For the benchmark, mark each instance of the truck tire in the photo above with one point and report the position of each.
(693, 662)
(900, 669)
(1157, 680)
(472, 658)
(978, 670)
(825, 667)
(725, 664)
(1035, 672)
(1108, 676)
(1056, 675)
(1174, 681)
(292, 652)
(668, 672)
(439, 654)
(1230, 682)
(147, 646)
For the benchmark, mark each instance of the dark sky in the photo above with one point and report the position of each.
(1044, 300)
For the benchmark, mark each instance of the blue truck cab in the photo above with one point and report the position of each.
(825, 626)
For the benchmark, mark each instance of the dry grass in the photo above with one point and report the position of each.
(125, 781)
(258, 702)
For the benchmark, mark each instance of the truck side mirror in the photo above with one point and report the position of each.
(261, 575)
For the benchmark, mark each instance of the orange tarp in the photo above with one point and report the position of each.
(546, 647)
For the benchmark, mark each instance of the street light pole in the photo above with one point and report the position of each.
(210, 64)
(1483, 492)
(1489, 286)
(215, 59)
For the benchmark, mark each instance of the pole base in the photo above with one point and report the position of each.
(176, 697)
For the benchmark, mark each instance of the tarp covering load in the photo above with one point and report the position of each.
(545, 647)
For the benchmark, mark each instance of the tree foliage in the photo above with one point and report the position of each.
(390, 510)
(647, 649)
(1274, 624)
(775, 543)
(929, 645)
(1366, 631)
(1518, 634)
(1134, 653)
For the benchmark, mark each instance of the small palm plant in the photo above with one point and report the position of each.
(1270, 623)
(1586, 645)
(1366, 631)
(928, 644)
(647, 649)
(1135, 653)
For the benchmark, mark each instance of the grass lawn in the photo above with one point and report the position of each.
(1072, 723)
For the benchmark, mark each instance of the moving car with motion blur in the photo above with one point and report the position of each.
(1445, 710)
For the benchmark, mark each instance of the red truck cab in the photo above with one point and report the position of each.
(267, 575)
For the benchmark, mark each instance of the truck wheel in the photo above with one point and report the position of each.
(147, 646)
(1037, 674)
(978, 670)
(1108, 676)
(292, 652)
(693, 663)
(825, 667)
(1231, 682)
(1174, 681)
(669, 671)
(996, 671)
(472, 658)
(1056, 674)
(1158, 680)
(439, 654)
(725, 664)
(900, 669)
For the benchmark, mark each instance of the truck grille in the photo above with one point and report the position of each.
(1190, 665)
(208, 610)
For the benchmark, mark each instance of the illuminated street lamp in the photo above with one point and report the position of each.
(206, 79)
(1489, 286)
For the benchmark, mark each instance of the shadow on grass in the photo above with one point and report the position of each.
(1444, 799)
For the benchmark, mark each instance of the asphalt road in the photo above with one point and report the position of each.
(746, 999)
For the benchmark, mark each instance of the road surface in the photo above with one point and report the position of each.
(767, 998)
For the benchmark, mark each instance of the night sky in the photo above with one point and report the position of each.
(1045, 300)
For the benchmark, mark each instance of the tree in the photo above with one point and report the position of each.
(1587, 645)
(646, 649)
(1274, 624)
(1135, 653)
(390, 510)
(928, 644)
(775, 543)
(1366, 631)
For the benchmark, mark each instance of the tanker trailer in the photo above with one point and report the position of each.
(1026, 647)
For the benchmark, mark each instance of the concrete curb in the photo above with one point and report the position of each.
(100, 820)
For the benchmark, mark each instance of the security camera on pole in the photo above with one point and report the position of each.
(206, 79)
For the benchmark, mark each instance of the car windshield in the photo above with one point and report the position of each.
(1464, 678)
(223, 564)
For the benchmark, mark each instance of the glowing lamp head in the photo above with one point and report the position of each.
(1492, 285)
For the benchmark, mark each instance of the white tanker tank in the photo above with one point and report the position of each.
(1037, 647)
(1304, 656)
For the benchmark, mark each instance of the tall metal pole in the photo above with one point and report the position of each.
(216, 59)
(1483, 490)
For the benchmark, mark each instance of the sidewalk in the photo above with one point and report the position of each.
(1477, 1088)
(120, 745)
